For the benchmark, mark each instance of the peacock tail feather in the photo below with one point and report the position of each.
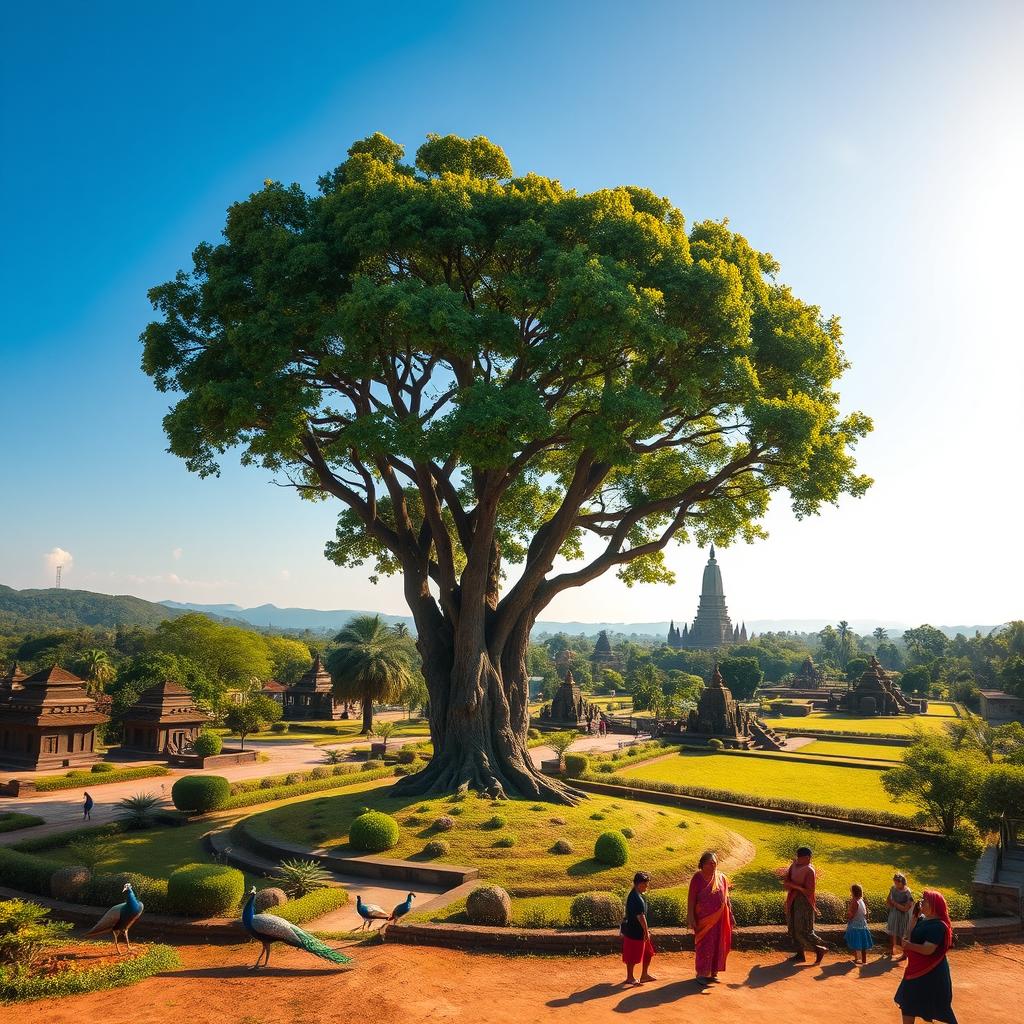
(271, 928)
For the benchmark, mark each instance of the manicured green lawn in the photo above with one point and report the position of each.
(940, 709)
(839, 748)
(529, 867)
(841, 786)
(877, 725)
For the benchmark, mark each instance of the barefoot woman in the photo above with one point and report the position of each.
(636, 935)
(709, 914)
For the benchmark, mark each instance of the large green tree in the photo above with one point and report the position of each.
(487, 370)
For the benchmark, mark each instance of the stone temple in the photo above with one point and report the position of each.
(712, 628)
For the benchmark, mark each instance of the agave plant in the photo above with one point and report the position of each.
(137, 811)
(299, 877)
(333, 755)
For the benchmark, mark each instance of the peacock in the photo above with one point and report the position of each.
(402, 909)
(119, 918)
(370, 912)
(268, 928)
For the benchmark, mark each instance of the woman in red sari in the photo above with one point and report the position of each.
(926, 990)
(709, 914)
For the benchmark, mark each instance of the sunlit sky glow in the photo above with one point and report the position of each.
(877, 153)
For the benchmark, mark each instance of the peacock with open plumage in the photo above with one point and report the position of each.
(370, 912)
(119, 918)
(268, 928)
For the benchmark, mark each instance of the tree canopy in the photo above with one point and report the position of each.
(489, 370)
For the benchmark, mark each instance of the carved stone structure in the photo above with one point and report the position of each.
(712, 627)
(718, 714)
(164, 720)
(12, 682)
(603, 656)
(312, 697)
(810, 677)
(876, 694)
(569, 708)
(47, 721)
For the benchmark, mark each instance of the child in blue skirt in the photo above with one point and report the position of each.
(858, 938)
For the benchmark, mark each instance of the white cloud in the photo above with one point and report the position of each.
(177, 553)
(285, 574)
(58, 556)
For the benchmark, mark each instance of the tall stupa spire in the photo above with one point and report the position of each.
(712, 626)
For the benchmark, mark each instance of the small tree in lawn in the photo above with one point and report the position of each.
(255, 715)
(560, 742)
(943, 783)
(383, 731)
(370, 663)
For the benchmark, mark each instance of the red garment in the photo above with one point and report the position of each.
(636, 951)
(919, 964)
(713, 935)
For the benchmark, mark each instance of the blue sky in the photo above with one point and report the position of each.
(875, 149)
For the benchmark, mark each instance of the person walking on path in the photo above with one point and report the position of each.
(87, 805)
(801, 909)
(637, 947)
(926, 990)
(897, 924)
(858, 938)
(709, 914)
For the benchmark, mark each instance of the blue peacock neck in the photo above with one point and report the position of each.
(249, 910)
(132, 901)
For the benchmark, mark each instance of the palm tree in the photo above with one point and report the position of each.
(370, 663)
(880, 634)
(845, 643)
(98, 669)
(401, 629)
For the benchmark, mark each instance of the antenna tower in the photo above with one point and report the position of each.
(59, 568)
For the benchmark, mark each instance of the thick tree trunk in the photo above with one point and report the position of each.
(478, 727)
(367, 706)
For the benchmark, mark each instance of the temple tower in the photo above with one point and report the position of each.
(711, 628)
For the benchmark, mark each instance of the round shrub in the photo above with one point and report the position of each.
(967, 840)
(292, 778)
(489, 904)
(576, 765)
(268, 783)
(444, 824)
(715, 744)
(506, 841)
(496, 821)
(596, 910)
(372, 766)
(562, 846)
(457, 809)
(533, 734)
(597, 816)
(320, 772)
(205, 890)
(373, 832)
(436, 848)
(666, 909)
(611, 849)
(627, 832)
(200, 793)
(100, 767)
(207, 744)
(278, 727)
(406, 756)
(606, 768)
(558, 821)
(270, 897)
(68, 883)
(831, 907)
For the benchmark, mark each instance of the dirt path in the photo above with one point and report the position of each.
(402, 983)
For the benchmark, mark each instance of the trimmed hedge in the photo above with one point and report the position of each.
(666, 909)
(17, 985)
(13, 821)
(373, 832)
(262, 796)
(86, 780)
(596, 910)
(58, 840)
(106, 890)
(866, 817)
(200, 793)
(312, 905)
(101, 767)
(611, 848)
(27, 873)
(576, 765)
(205, 890)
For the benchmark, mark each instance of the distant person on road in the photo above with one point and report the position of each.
(709, 914)
(897, 924)
(926, 990)
(87, 806)
(801, 909)
(637, 947)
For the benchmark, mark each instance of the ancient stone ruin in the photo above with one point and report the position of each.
(569, 708)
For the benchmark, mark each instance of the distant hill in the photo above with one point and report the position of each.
(269, 615)
(24, 610)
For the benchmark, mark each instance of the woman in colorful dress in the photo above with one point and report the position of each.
(926, 990)
(637, 947)
(709, 914)
(899, 902)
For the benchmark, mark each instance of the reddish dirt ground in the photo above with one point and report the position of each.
(404, 984)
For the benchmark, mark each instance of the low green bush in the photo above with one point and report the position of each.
(715, 744)
(506, 841)
(102, 767)
(68, 883)
(612, 849)
(279, 727)
(374, 832)
(562, 847)
(495, 821)
(75, 780)
(489, 904)
(207, 744)
(627, 832)
(201, 793)
(26, 872)
(666, 908)
(576, 765)
(596, 910)
(313, 905)
(606, 768)
(58, 840)
(405, 756)
(280, 791)
(14, 821)
(107, 890)
(323, 772)
(205, 890)
(436, 848)
(372, 765)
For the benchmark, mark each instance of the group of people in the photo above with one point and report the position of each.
(597, 724)
(921, 930)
